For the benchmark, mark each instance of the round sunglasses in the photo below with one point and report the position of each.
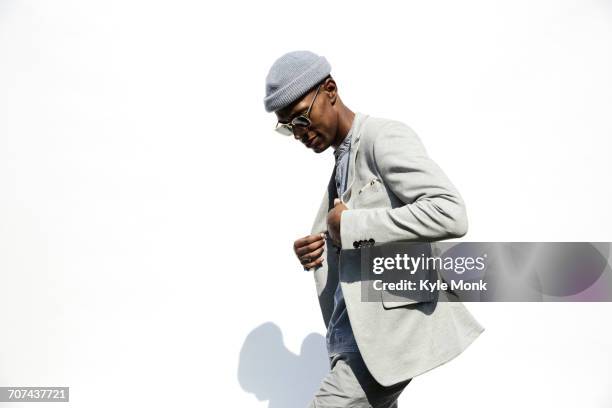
(301, 121)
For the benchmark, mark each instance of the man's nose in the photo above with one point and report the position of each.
(299, 132)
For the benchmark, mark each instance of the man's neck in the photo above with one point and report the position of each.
(345, 122)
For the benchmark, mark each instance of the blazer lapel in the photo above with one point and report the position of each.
(320, 223)
(359, 118)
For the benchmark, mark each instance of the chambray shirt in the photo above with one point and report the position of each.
(339, 336)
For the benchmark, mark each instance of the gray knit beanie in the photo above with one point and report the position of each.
(292, 76)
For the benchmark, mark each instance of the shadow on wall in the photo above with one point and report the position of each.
(273, 373)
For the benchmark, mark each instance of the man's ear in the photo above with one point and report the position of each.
(332, 91)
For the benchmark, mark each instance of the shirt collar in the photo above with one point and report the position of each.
(344, 146)
(346, 143)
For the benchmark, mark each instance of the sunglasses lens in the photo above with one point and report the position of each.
(301, 121)
(284, 129)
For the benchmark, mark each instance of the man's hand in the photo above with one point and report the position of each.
(309, 249)
(333, 221)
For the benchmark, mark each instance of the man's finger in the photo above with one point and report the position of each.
(310, 247)
(310, 256)
(318, 262)
(308, 239)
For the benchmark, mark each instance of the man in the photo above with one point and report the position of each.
(383, 188)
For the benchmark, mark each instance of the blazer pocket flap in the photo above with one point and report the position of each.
(372, 185)
(392, 300)
(403, 289)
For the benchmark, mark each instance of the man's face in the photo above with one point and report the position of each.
(322, 132)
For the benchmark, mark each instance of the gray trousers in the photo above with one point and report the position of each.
(350, 384)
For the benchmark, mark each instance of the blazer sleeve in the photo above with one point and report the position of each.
(433, 209)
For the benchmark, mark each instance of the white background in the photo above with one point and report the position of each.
(147, 209)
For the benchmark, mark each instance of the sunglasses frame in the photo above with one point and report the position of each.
(286, 129)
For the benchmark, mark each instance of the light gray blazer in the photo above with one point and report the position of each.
(395, 192)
